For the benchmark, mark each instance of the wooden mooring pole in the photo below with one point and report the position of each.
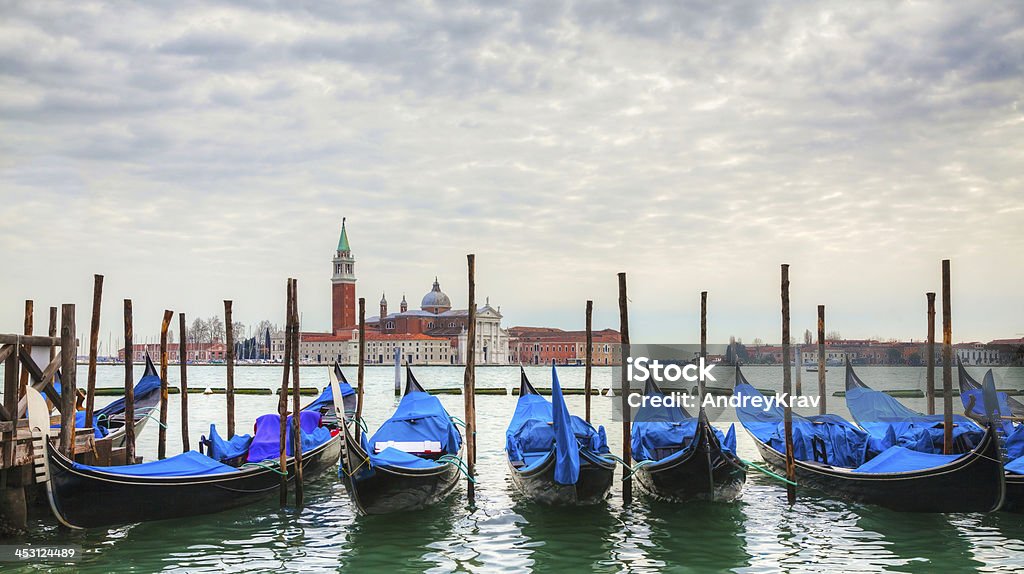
(52, 330)
(29, 325)
(94, 334)
(182, 361)
(587, 375)
(930, 349)
(359, 370)
(129, 386)
(822, 406)
(787, 389)
(296, 427)
(229, 363)
(469, 383)
(68, 386)
(703, 340)
(627, 472)
(161, 444)
(947, 362)
(282, 398)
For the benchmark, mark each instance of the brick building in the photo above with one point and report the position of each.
(542, 345)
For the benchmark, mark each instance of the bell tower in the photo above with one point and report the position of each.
(343, 288)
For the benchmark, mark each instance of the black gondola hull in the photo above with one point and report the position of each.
(972, 483)
(695, 476)
(383, 490)
(1014, 493)
(87, 499)
(592, 487)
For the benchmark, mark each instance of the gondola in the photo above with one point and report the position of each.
(108, 422)
(968, 383)
(325, 402)
(842, 460)
(880, 414)
(680, 458)
(971, 393)
(413, 460)
(555, 458)
(188, 484)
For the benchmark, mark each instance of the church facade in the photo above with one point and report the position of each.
(434, 334)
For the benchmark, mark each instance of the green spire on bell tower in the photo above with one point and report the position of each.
(343, 240)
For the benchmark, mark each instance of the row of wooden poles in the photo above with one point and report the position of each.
(787, 387)
(291, 370)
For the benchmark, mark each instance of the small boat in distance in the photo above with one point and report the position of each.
(555, 458)
(679, 457)
(842, 460)
(413, 461)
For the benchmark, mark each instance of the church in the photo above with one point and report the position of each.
(434, 334)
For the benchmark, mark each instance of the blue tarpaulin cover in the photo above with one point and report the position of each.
(419, 417)
(900, 459)
(1015, 467)
(391, 456)
(876, 412)
(146, 386)
(844, 445)
(531, 434)
(659, 431)
(189, 463)
(567, 451)
(266, 444)
(326, 398)
(222, 450)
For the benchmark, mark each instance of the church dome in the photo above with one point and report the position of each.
(436, 299)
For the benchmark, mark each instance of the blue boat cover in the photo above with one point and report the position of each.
(1015, 443)
(978, 409)
(877, 412)
(267, 442)
(531, 434)
(567, 451)
(147, 385)
(326, 398)
(1015, 467)
(839, 442)
(659, 431)
(222, 450)
(189, 463)
(419, 417)
(900, 459)
(391, 456)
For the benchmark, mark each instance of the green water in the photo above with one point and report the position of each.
(761, 533)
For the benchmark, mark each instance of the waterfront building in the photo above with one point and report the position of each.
(437, 319)
(544, 345)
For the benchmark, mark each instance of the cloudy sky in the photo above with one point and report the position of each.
(195, 152)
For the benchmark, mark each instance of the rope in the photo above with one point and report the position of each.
(637, 467)
(162, 425)
(615, 458)
(341, 468)
(458, 463)
(269, 467)
(459, 421)
(767, 472)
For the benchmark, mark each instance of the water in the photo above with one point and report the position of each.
(761, 533)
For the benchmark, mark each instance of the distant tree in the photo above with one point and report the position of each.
(914, 359)
(807, 336)
(263, 326)
(758, 341)
(238, 332)
(894, 357)
(200, 332)
(216, 327)
(833, 336)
